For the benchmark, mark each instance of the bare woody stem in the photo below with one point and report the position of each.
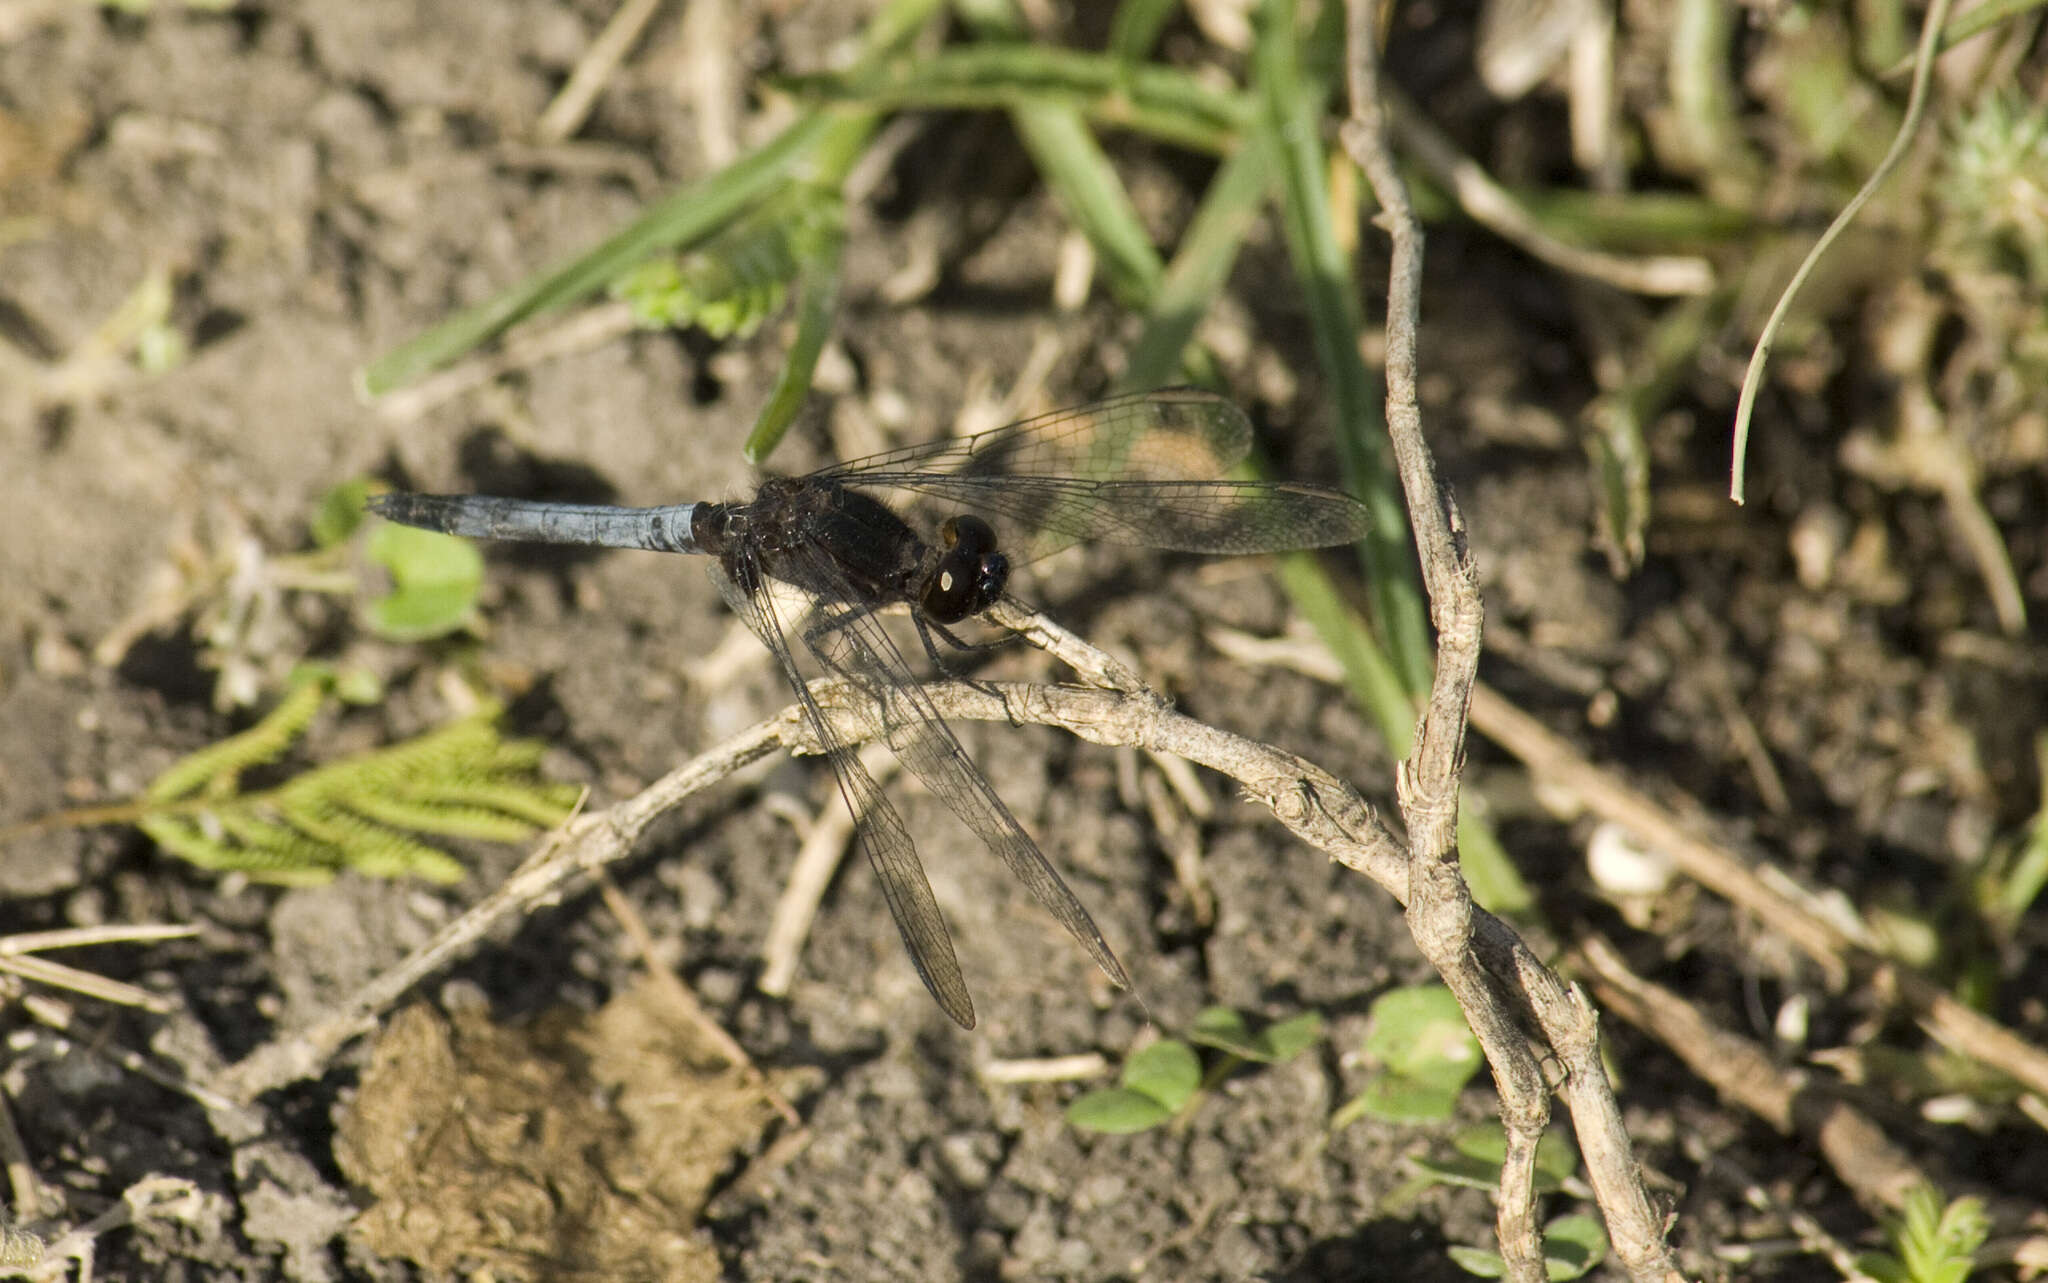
(1490, 985)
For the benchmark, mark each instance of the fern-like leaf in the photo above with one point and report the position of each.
(221, 764)
(366, 813)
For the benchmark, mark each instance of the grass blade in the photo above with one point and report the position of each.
(683, 218)
(1092, 194)
(1137, 25)
(1069, 158)
(1292, 103)
(1002, 72)
(1201, 265)
(817, 302)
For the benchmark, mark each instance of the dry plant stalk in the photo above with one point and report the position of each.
(1502, 996)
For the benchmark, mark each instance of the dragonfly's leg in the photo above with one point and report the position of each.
(957, 644)
(925, 629)
(823, 623)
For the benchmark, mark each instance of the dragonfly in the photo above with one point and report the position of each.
(938, 527)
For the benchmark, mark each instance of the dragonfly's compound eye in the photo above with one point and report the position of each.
(970, 574)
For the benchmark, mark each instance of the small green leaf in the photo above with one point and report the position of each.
(1420, 1033)
(1472, 1173)
(421, 614)
(1117, 1111)
(1884, 1267)
(1225, 1030)
(1481, 1149)
(1397, 1098)
(1474, 1260)
(1287, 1038)
(1487, 1142)
(1935, 1242)
(437, 578)
(1167, 1071)
(1556, 1159)
(425, 556)
(1572, 1245)
(654, 292)
(339, 513)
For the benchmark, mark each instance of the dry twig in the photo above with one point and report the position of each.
(1863, 1158)
(1781, 905)
(1308, 800)
(685, 1004)
(1491, 206)
(565, 115)
(1441, 916)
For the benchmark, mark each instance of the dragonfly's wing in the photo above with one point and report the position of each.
(878, 829)
(1161, 435)
(1035, 517)
(1139, 469)
(856, 646)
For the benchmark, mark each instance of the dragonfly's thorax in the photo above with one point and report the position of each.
(837, 543)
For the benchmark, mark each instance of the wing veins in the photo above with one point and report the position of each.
(878, 828)
(1069, 441)
(1236, 517)
(910, 724)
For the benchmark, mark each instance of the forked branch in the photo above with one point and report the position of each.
(1502, 991)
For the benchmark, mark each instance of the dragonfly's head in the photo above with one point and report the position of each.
(970, 575)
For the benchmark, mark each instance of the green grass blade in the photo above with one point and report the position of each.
(1974, 23)
(1137, 25)
(1497, 885)
(683, 218)
(1000, 72)
(1377, 687)
(1635, 222)
(1375, 684)
(1617, 419)
(1201, 265)
(1069, 158)
(817, 302)
(1292, 113)
(1088, 188)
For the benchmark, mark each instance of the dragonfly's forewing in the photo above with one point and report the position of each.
(1170, 434)
(878, 830)
(1143, 469)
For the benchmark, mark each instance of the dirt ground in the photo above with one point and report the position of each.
(322, 182)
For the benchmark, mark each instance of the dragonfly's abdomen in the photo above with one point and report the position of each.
(665, 529)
